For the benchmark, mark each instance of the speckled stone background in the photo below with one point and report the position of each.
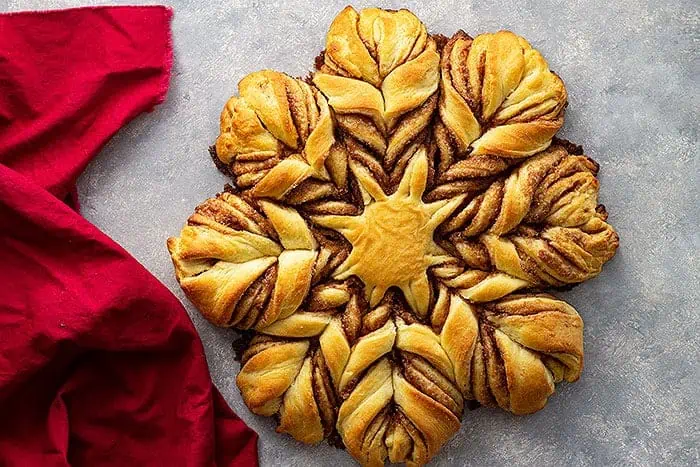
(632, 70)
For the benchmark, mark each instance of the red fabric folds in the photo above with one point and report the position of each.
(99, 362)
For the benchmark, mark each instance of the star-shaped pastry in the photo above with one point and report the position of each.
(385, 211)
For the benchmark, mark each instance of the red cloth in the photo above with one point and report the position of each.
(99, 362)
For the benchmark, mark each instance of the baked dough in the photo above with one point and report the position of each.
(394, 222)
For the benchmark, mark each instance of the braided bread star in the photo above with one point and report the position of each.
(395, 220)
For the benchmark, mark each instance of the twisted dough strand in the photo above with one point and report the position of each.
(557, 255)
(248, 264)
(278, 133)
(380, 75)
(499, 102)
(538, 226)
(511, 352)
(553, 187)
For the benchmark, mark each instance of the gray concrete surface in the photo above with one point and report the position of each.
(632, 71)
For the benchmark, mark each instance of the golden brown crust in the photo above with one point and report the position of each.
(498, 96)
(231, 266)
(276, 135)
(385, 212)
